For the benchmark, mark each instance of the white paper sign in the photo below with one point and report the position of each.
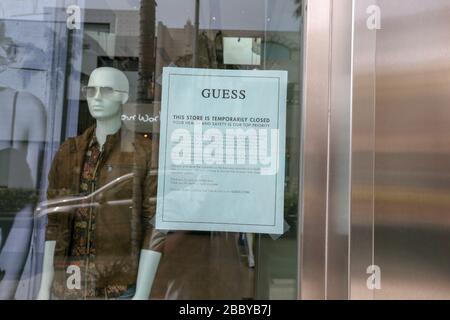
(222, 150)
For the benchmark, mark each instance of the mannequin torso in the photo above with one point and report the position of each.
(23, 127)
(22, 137)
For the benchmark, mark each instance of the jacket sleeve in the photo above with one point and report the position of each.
(153, 239)
(54, 192)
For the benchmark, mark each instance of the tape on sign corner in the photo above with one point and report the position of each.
(286, 228)
(164, 231)
(153, 223)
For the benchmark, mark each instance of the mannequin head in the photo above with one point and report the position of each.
(107, 91)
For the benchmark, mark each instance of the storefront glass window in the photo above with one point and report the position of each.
(149, 149)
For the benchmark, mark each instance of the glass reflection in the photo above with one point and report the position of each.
(43, 66)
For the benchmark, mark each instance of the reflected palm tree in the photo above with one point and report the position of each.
(298, 10)
(147, 50)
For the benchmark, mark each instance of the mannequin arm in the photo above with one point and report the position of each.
(148, 265)
(47, 271)
(15, 251)
(32, 121)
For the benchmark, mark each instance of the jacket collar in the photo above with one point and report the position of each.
(82, 142)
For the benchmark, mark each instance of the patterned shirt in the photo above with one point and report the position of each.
(82, 250)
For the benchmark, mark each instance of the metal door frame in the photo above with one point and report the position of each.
(338, 56)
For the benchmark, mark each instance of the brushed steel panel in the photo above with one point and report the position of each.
(400, 175)
(313, 195)
(338, 226)
(363, 152)
(412, 160)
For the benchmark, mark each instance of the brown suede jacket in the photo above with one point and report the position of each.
(123, 209)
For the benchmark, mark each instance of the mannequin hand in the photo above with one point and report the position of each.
(44, 294)
(148, 266)
(47, 272)
(139, 296)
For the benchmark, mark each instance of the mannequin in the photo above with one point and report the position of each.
(22, 138)
(107, 112)
(251, 255)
